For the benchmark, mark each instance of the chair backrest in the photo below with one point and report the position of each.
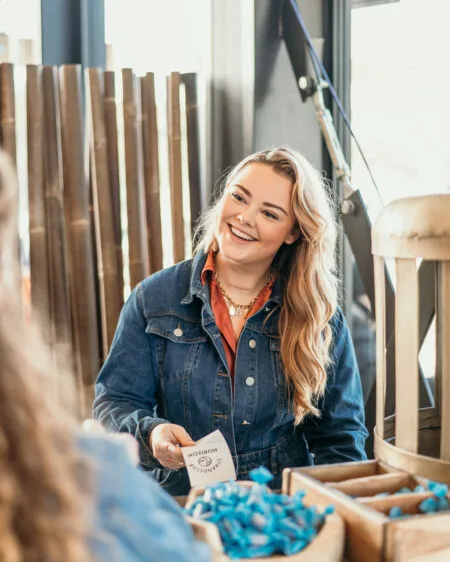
(409, 231)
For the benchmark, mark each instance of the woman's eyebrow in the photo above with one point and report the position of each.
(247, 192)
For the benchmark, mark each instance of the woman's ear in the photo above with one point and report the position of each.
(293, 236)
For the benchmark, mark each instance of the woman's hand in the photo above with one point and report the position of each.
(165, 442)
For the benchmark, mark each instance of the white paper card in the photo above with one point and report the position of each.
(209, 460)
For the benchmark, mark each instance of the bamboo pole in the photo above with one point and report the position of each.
(145, 164)
(193, 144)
(10, 263)
(110, 288)
(8, 111)
(138, 256)
(174, 141)
(39, 267)
(151, 171)
(89, 393)
(76, 200)
(113, 165)
(61, 330)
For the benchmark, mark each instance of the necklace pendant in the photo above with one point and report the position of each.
(232, 310)
(238, 311)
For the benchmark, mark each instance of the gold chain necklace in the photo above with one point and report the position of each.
(234, 308)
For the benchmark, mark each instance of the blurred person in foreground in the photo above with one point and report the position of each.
(66, 496)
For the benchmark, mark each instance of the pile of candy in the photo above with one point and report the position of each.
(433, 504)
(255, 522)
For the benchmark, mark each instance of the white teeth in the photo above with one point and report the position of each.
(240, 234)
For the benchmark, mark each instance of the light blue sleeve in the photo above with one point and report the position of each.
(134, 519)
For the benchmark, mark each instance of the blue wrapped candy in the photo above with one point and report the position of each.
(254, 522)
(433, 504)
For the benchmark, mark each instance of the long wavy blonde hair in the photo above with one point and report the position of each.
(307, 269)
(42, 504)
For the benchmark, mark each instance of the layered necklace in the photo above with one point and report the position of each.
(234, 308)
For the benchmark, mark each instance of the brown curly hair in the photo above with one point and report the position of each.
(41, 499)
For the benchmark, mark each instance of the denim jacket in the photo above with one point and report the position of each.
(167, 363)
(132, 519)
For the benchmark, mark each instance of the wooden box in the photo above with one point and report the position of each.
(371, 536)
(328, 545)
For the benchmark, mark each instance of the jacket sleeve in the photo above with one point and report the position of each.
(127, 385)
(340, 433)
(132, 517)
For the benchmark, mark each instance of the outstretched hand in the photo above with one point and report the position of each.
(166, 441)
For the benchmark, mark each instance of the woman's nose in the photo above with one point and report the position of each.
(247, 217)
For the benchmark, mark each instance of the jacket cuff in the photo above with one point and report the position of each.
(144, 427)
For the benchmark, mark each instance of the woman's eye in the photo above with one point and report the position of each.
(270, 215)
(238, 197)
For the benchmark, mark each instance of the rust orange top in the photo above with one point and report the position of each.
(220, 311)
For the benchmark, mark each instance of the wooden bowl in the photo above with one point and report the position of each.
(327, 546)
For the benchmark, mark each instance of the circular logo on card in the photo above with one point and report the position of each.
(205, 461)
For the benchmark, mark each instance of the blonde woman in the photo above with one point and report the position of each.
(64, 496)
(246, 337)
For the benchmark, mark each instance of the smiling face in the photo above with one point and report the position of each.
(256, 216)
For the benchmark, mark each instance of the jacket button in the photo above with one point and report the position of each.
(252, 344)
(249, 381)
(178, 332)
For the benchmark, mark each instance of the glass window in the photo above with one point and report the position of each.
(20, 37)
(400, 88)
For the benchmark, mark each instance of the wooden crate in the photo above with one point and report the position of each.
(371, 536)
(328, 545)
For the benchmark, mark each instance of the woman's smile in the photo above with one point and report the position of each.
(240, 236)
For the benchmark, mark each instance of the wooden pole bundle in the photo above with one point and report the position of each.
(76, 200)
(107, 266)
(138, 255)
(193, 145)
(59, 299)
(39, 263)
(113, 165)
(151, 171)
(175, 164)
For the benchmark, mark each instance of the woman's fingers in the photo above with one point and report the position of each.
(182, 436)
(175, 451)
(168, 455)
(165, 441)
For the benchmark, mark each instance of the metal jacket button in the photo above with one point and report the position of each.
(249, 381)
(178, 332)
(252, 344)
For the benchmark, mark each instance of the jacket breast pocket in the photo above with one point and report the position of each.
(177, 343)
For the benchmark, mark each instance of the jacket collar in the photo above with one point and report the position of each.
(196, 287)
(195, 283)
